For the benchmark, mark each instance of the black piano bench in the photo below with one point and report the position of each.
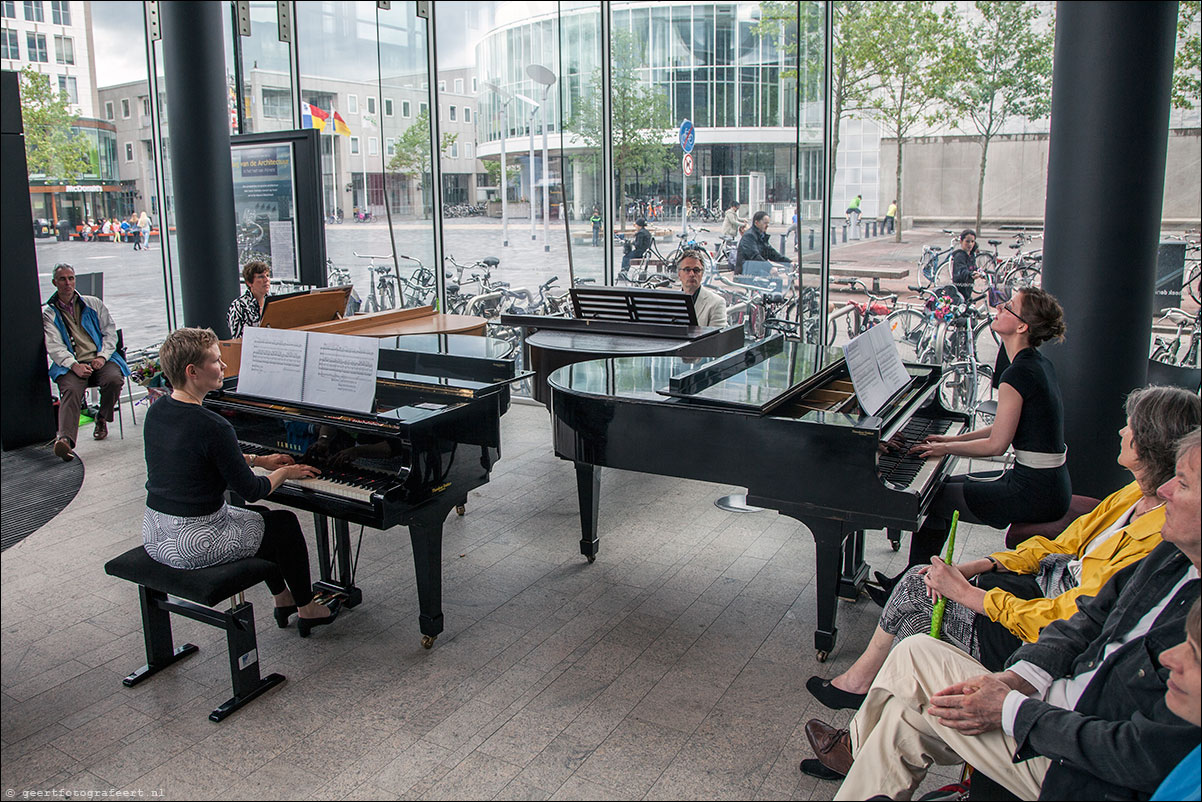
(198, 591)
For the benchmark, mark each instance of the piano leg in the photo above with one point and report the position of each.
(425, 532)
(855, 570)
(335, 571)
(588, 488)
(828, 554)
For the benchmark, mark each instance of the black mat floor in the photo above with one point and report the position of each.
(35, 486)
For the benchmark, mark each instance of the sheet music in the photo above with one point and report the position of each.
(340, 371)
(876, 368)
(273, 363)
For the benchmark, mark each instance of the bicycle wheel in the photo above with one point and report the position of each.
(1022, 275)
(908, 327)
(986, 262)
(962, 387)
(986, 342)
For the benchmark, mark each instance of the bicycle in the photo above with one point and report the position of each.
(382, 284)
(933, 259)
(1168, 349)
(860, 317)
(420, 284)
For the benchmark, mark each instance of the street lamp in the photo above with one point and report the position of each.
(505, 100)
(534, 107)
(541, 75)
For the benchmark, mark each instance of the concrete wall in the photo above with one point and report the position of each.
(939, 180)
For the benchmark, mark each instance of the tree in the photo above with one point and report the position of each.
(639, 116)
(1003, 71)
(906, 47)
(53, 147)
(852, 71)
(1187, 67)
(411, 156)
(493, 168)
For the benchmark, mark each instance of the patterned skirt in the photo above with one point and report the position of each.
(202, 541)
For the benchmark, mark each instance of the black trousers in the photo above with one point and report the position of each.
(928, 541)
(284, 544)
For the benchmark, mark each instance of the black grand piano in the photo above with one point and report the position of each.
(617, 321)
(765, 418)
(433, 437)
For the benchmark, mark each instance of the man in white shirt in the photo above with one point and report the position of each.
(1079, 714)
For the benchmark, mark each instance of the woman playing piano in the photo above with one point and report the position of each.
(996, 603)
(192, 457)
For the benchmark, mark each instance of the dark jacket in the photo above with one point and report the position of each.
(964, 264)
(755, 246)
(1121, 741)
(642, 243)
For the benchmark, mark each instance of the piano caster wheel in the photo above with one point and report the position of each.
(460, 509)
(428, 641)
(895, 544)
(820, 656)
(592, 558)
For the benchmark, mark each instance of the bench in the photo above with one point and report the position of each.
(875, 273)
(198, 591)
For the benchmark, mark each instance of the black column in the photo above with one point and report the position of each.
(26, 416)
(1109, 134)
(203, 187)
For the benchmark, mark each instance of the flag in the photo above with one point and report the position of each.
(313, 117)
(340, 126)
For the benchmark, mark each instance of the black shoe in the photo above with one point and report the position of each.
(283, 614)
(832, 697)
(303, 625)
(877, 594)
(813, 767)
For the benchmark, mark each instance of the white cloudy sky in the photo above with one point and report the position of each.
(117, 35)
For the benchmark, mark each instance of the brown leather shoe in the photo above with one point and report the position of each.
(832, 750)
(102, 429)
(62, 449)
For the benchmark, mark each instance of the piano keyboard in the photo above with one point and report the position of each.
(342, 488)
(904, 470)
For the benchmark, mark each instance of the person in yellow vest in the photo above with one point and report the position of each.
(890, 216)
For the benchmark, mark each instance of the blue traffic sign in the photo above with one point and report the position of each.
(688, 135)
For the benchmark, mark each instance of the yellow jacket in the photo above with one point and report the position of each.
(1026, 618)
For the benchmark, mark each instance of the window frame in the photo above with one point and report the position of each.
(35, 44)
(126, 109)
(35, 7)
(110, 112)
(388, 107)
(64, 46)
(352, 103)
(370, 105)
(60, 12)
(129, 152)
(406, 109)
(15, 40)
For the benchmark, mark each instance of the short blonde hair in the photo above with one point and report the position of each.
(184, 347)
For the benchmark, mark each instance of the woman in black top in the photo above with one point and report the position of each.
(192, 457)
(1030, 417)
(964, 264)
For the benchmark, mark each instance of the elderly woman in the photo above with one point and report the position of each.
(1183, 699)
(247, 309)
(1015, 594)
(192, 457)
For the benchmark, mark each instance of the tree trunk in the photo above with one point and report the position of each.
(981, 182)
(898, 190)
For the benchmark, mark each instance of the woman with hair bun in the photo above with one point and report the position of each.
(1030, 418)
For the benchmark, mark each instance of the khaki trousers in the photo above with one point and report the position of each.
(71, 390)
(895, 740)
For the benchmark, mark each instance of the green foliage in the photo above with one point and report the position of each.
(412, 154)
(907, 47)
(639, 120)
(1187, 67)
(493, 168)
(52, 146)
(1003, 70)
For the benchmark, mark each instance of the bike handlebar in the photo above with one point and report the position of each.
(369, 256)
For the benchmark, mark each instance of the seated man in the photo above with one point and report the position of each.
(80, 339)
(1080, 714)
(710, 308)
(642, 243)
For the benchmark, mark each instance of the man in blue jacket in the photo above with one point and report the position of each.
(1079, 714)
(80, 339)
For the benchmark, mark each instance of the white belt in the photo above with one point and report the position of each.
(1040, 459)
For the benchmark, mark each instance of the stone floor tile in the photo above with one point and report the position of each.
(188, 775)
(479, 776)
(580, 789)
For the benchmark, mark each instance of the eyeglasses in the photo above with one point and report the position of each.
(1010, 309)
(690, 270)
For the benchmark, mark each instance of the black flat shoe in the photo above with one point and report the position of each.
(283, 614)
(888, 583)
(832, 697)
(877, 594)
(814, 768)
(303, 625)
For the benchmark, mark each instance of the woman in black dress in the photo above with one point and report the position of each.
(192, 457)
(1030, 418)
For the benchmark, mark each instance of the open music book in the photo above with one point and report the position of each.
(876, 368)
(327, 370)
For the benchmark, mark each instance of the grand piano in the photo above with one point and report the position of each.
(433, 436)
(765, 418)
(617, 321)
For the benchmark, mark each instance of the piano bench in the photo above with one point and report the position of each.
(197, 592)
(1078, 506)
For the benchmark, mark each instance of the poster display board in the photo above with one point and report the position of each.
(265, 203)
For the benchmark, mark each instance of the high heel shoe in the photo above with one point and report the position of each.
(303, 625)
(283, 614)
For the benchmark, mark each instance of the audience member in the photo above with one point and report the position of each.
(81, 340)
(1184, 698)
(247, 309)
(710, 308)
(732, 224)
(964, 263)
(1079, 714)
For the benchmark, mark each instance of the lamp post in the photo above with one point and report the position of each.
(505, 99)
(540, 74)
(534, 107)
